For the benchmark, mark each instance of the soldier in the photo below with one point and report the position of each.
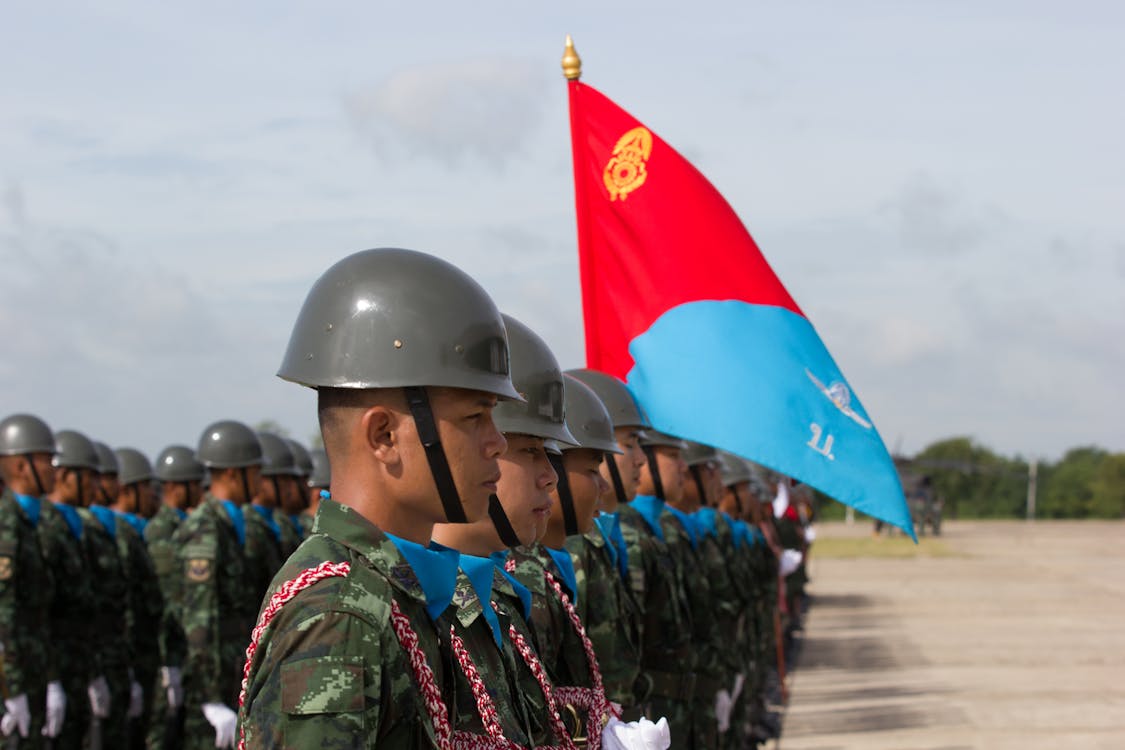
(319, 481)
(60, 535)
(181, 488)
(502, 647)
(217, 601)
(667, 681)
(296, 503)
(26, 447)
(107, 487)
(612, 611)
(145, 604)
(408, 356)
(266, 549)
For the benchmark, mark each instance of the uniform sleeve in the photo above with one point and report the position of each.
(167, 567)
(199, 614)
(10, 610)
(318, 684)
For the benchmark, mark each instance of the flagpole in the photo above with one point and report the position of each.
(571, 62)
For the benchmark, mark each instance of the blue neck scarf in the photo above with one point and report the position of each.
(650, 507)
(295, 519)
(480, 573)
(566, 569)
(235, 514)
(436, 570)
(106, 517)
(30, 507)
(737, 533)
(267, 516)
(135, 521)
(70, 515)
(182, 515)
(499, 559)
(705, 520)
(610, 525)
(689, 525)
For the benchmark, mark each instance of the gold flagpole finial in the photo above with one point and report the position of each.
(571, 62)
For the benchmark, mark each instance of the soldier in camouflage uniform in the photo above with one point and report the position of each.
(296, 502)
(26, 587)
(266, 548)
(667, 682)
(408, 356)
(181, 484)
(60, 535)
(145, 605)
(319, 481)
(217, 599)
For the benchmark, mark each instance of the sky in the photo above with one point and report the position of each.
(940, 185)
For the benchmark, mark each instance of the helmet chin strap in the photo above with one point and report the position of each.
(246, 496)
(503, 525)
(654, 471)
(698, 484)
(615, 477)
(39, 492)
(566, 499)
(419, 404)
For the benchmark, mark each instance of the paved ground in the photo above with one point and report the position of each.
(1014, 639)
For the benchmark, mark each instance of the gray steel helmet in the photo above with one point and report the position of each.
(132, 467)
(389, 318)
(698, 453)
(277, 456)
(177, 463)
(734, 469)
(587, 418)
(615, 396)
(107, 459)
(321, 475)
(303, 465)
(73, 450)
(24, 434)
(537, 377)
(653, 438)
(228, 444)
(553, 447)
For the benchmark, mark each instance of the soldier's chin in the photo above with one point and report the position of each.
(476, 506)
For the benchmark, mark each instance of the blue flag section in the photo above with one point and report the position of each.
(756, 380)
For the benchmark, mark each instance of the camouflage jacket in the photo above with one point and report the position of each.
(26, 590)
(163, 549)
(496, 664)
(610, 613)
(110, 588)
(145, 602)
(216, 605)
(291, 534)
(329, 671)
(666, 623)
(73, 600)
(262, 551)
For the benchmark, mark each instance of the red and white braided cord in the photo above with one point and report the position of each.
(536, 666)
(288, 590)
(424, 676)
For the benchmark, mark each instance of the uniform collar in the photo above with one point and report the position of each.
(650, 506)
(106, 517)
(30, 506)
(610, 525)
(506, 583)
(481, 572)
(705, 520)
(233, 514)
(73, 520)
(565, 566)
(687, 522)
(266, 514)
(425, 574)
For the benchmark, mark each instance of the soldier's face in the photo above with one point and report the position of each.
(587, 485)
(526, 482)
(472, 446)
(44, 469)
(629, 465)
(670, 464)
(108, 486)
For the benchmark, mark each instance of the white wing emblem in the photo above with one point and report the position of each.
(840, 397)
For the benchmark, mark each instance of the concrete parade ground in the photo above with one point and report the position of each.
(996, 635)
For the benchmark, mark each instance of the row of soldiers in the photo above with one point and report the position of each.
(508, 556)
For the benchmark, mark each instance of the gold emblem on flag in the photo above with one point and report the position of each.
(626, 170)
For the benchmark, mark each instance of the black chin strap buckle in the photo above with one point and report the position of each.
(419, 404)
(503, 525)
(566, 499)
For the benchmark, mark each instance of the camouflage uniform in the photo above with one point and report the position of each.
(69, 616)
(495, 662)
(306, 521)
(216, 614)
(667, 680)
(262, 551)
(144, 618)
(329, 671)
(291, 533)
(109, 632)
(610, 613)
(26, 591)
(165, 729)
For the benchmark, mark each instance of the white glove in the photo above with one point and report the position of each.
(723, 705)
(224, 720)
(172, 681)
(636, 735)
(810, 535)
(790, 561)
(98, 693)
(16, 716)
(136, 700)
(56, 709)
(739, 681)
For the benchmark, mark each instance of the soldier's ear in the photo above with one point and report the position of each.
(378, 425)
